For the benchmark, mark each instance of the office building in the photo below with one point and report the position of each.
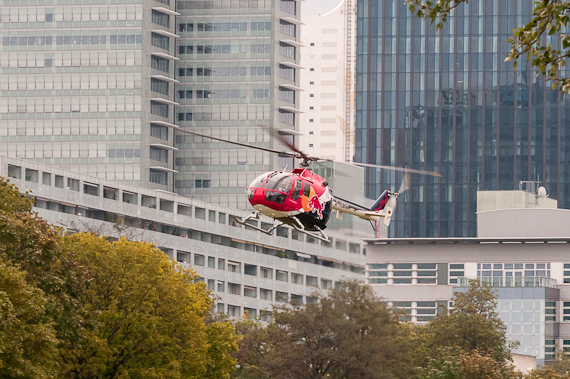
(238, 69)
(446, 101)
(327, 79)
(90, 87)
(248, 271)
(521, 250)
(101, 88)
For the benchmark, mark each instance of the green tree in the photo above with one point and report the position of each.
(347, 333)
(27, 338)
(472, 324)
(549, 19)
(11, 200)
(452, 363)
(30, 246)
(150, 316)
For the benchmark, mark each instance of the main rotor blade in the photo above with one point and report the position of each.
(294, 155)
(275, 134)
(402, 169)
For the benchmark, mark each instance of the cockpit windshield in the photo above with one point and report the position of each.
(279, 182)
(257, 182)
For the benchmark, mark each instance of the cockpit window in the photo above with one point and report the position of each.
(257, 182)
(279, 182)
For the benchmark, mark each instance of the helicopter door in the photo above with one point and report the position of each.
(296, 190)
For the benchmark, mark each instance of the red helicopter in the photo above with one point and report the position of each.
(303, 199)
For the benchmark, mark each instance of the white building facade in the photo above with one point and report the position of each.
(327, 82)
(248, 271)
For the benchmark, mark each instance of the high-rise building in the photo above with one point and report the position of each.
(327, 100)
(238, 68)
(446, 101)
(89, 86)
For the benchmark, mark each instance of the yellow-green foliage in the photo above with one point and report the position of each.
(150, 315)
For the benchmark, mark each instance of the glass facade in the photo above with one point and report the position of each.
(229, 85)
(70, 84)
(446, 101)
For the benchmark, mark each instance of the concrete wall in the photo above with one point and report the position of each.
(534, 222)
(491, 200)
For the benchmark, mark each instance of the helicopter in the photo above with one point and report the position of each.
(303, 199)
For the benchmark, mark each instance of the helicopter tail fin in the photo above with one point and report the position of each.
(381, 202)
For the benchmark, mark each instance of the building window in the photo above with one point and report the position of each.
(259, 25)
(310, 145)
(406, 306)
(202, 183)
(159, 86)
(167, 2)
(189, 71)
(287, 28)
(311, 83)
(160, 41)
(158, 154)
(288, 6)
(311, 133)
(286, 72)
(286, 50)
(159, 63)
(311, 69)
(286, 95)
(159, 131)
(566, 273)
(187, 94)
(159, 177)
(426, 273)
(312, 95)
(378, 273)
(160, 18)
(310, 120)
(550, 311)
(159, 109)
(312, 44)
(566, 311)
(425, 310)
(287, 117)
(311, 108)
(456, 271)
(513, 274)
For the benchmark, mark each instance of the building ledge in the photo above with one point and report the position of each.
(165, 101)
(165, 33)
(165, 56)
(165, 78)
(292, 65)
(166, 10)
(163, 146)
(164, 123)
(291, 109)
(159, 168)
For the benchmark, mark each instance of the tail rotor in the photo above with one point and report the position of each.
(393, 200)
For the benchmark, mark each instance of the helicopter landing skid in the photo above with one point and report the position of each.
(298, 226)
(255, 216)
(301, 228)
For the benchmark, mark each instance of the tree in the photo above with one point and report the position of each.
(27, 338)
(453, 363)
(11, 200)
(543, 40)
(347, 333)
(51, 277)
(472, 324)
(149, 314)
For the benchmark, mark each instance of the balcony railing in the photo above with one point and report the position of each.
(511, 281)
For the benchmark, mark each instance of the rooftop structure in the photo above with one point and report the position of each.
(247, 270)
